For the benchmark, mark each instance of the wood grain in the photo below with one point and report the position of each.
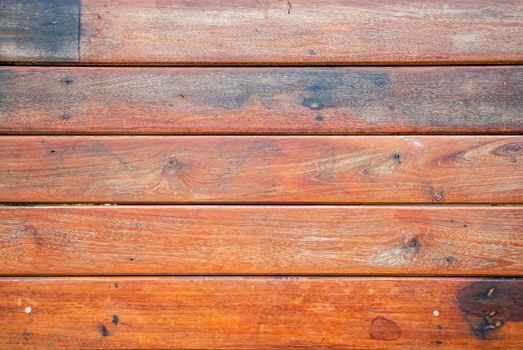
(261, 240)
(268, 32)
(210, 301)
(290, 169)
(300, 31)
(39, 30)
(261, 100)
(261, 313)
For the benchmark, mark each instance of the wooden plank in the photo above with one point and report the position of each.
(290, 169)
(261, 100)
(268, 32)
(261, 240)
(39, 30)
(261, 313)
(302, 31)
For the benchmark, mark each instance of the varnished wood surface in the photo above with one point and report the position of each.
(261, 313)
(231, 169)
(258, 275)
(473, 100)
(265, 32)
(300, 31)
(261, 240)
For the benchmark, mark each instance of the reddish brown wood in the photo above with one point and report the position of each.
(261, 100)
(265, 32)
(290, 241)
(261, 313)
(321, 169)
(302, 31)
(261, 240)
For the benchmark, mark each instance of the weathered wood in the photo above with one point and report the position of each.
(302, 31)
(268, 32)
(287, 169)
(261, 313)
(261, 240)
(333, 241)
(261, 100)
(39, 30)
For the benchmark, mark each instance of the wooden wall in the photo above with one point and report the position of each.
(239, 174)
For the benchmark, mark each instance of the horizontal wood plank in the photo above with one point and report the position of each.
(261, 313)
(261, 100)
(302, 31)
(266, 32)
(291, 169)
(261, 240)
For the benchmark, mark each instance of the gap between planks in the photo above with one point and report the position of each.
(276, 276)
(260, 65)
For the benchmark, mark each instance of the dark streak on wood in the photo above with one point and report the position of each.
(104, 331)
(262, 100)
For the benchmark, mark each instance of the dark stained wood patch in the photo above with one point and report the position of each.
(490, 305)
(39, 30)
(382, 328)
(244, 32)
(249, 313)
(261, 100)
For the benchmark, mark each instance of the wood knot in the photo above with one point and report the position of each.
(380, 79)
(68, 81)
(450, 260)
(173, 163)
(410, 247)
(413, 243)
(396, 157)
(511, 150)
